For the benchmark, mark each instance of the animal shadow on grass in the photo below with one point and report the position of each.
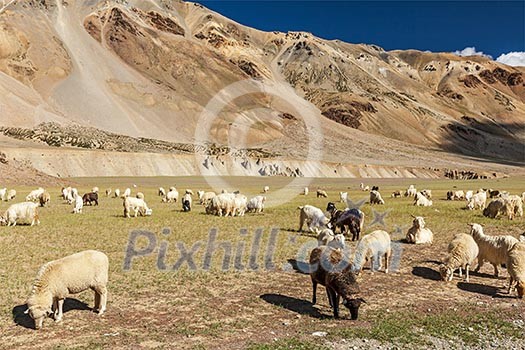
(299, 306)
(484, 289)
(24, 320)
(426, 272)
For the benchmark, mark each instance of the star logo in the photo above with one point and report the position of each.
(355, 205)
(379, 218)
(399, 231)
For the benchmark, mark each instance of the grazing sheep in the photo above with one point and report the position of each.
(372, 247)
(240, 206)
(137, 205)
(171, 196)
(207, 197)
(418, 233)
(375, 198)
(20, 212)
(463, 250)
(329, 268)
(65, 191)
(516, 268)
(11, 194)
(200, 194)
(266, 189)
(305, 191)
(477, 201)
(186, 202)
(411, 191)
(162, 192)
(117, 193)
(516, 206)
(493, 249)
(455, 195)
(89, 198)
(34, 195)
(127, 192)
(427, 193)
(396, 194)
(322, 193)
(422, 201)
(222, 204)
(44, 199)
(498, 206)
(70, 275)
(139, 195)
(256, 204)
(94, 189)
(343, 197)
(3, 194)
(79, 204)
(108, 192)
(313, 217)
(468, 195)
(363, 187)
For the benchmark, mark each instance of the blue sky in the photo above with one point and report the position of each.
(492, 27)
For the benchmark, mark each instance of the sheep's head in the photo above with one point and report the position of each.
(476, 229)
(353, 305)
(419, 222)
(38, 313)
(3, 221)
(330, 207)
(446, 273)
(148, 212)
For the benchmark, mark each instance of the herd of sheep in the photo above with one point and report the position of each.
(331, 265)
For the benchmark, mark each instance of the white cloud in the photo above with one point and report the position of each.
(516, 59)
(470, 51)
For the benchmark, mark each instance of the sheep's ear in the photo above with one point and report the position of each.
(26, 312)
(412, 215)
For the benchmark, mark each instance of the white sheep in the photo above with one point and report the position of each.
(95, 189)
(137, 205)
(322, 193)
(468, 195)
(516, 206)
(139, 195)
(363, 187)
(207, 197)
(70, 275)
(117, 193)
(200, 194)
(313, 217)
(411, 191)
(463, 250)
(188, 191)
(44, 198)
(372, 247)
(79, 204)
(34, 195)
(343, 197)
(162, 192)
(108, 192)
(256, 204)
(11, 194)
(222, 204)
(477, 201)
(127, 192)
(171, 196)
(240, 206)
(21, 212)
(493, 249)
(422, 201)
(266, 189)
(3, 194)
(305, 191)
(427, 193)
(418, 233)
(516, 268)
(186, 202)
(375, 198)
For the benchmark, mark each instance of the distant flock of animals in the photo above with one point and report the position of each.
(330, 265)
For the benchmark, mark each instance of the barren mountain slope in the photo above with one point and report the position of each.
(149, 68)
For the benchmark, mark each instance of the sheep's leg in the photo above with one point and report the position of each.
(330, 301)
(60, 314)
(480, 264)
(314, 288)
(467, 267)
(55, 308)
(460, 272)
(387, 257)
(496, 270)
(511, 282)
(102, 294)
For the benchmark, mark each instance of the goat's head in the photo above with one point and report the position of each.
(353, 305)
